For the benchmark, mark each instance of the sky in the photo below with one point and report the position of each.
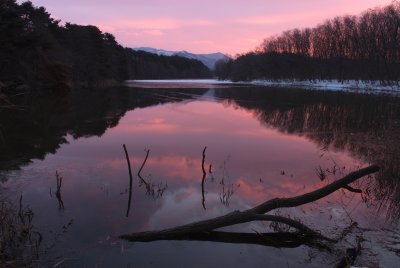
(206, 26)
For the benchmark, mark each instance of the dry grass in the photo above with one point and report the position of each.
(20, 243)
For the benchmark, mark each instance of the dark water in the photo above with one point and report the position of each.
(261, 143)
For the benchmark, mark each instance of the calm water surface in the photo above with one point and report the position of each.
(261, 143)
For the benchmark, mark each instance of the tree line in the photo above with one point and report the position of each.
(144, 65)
(37, 50)
(365, 47)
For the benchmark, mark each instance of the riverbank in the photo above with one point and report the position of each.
(375, 87)
(370, 87)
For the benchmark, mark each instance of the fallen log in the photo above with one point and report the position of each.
(278, 240)
(253, 214)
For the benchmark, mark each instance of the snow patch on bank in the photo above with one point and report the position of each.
(374, 87)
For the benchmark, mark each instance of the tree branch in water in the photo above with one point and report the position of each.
(151, 189)
(203, 201)
(256, 213)
(140, 170)
(58, 192)
(130, 181)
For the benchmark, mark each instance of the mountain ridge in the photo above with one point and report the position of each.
(208, 59)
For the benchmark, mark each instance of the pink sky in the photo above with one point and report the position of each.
(228, 26)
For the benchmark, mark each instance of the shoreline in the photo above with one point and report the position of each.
(372, 87)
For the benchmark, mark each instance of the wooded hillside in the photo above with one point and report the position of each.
(365, 47)
(37, 50)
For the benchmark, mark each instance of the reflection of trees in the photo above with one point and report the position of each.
(41, 126)
(368, 126)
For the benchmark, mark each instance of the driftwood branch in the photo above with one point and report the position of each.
(196, 229)
(208, 225)
(280, 240)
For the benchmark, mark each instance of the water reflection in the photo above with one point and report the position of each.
(365, 125)
(40, 128)
(246, 163)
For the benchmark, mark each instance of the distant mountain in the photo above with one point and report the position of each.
(207, 59)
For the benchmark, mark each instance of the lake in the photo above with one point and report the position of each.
(258, 142)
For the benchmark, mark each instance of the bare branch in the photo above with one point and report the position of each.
(255, 213)
(140, 170)
(351, 189)
(203, 201)
(58, 192)
(130, 180)
(152, 189)
(315, 195)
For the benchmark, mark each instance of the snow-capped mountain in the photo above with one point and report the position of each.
(207, 59)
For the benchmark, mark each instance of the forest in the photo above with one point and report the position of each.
(144, 65)
(37, 51)
(363, 48)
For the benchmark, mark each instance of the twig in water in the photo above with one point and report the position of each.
(203, 202)
(151, 189)
(320, 173)
(227, 192)
(210, 172)
(140, 170)
(130, 180)
(58, 192)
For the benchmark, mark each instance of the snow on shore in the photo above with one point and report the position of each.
(373, 87)
(334, 85)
